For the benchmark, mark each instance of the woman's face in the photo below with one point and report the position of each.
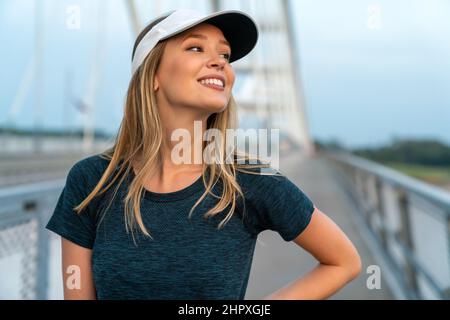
(199, 53)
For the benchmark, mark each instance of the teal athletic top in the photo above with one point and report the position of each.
(188, 259)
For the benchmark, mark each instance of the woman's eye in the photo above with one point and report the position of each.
(227, 56)
(195, 47)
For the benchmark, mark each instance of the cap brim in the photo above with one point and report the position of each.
(238, 28)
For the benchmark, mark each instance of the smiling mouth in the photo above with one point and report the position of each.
(212, 86)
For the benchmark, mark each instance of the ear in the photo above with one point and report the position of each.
(155, 84)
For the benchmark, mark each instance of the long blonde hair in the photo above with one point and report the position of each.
(132, 145)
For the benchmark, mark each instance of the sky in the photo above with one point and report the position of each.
(371, 70)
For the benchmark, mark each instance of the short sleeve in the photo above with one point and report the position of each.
(78, 228)
(279, 205)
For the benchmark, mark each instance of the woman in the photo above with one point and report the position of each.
(138, 224)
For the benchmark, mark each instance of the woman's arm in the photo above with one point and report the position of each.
(77, 272)
(339, 261)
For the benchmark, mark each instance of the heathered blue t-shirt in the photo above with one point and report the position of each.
(187, 258)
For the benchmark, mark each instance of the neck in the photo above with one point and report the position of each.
(182, 128)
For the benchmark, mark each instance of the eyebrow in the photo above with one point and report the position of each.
(200, 36)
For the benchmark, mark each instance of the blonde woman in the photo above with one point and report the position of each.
(136, 224)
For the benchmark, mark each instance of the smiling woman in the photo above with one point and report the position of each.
(138, 225)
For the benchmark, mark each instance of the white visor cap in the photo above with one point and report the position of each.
(239, 29)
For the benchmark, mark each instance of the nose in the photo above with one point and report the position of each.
(217, 62)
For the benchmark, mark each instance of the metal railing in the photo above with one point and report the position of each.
(410, 220)
(24, 211)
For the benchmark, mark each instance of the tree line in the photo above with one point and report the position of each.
(411, 151)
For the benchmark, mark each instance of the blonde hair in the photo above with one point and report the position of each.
(132, 145)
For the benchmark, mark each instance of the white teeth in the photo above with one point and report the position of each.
(217, 82)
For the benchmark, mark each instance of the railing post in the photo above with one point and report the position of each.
(447, 289)
(381, 213)
(365, 196)
(406, 238)
(43, 257)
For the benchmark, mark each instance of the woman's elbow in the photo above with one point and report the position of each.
(354, 266)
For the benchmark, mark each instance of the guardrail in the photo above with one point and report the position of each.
(409, 218)
(24, 211)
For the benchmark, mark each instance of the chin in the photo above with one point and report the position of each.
(216, 106)
(217, 109)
